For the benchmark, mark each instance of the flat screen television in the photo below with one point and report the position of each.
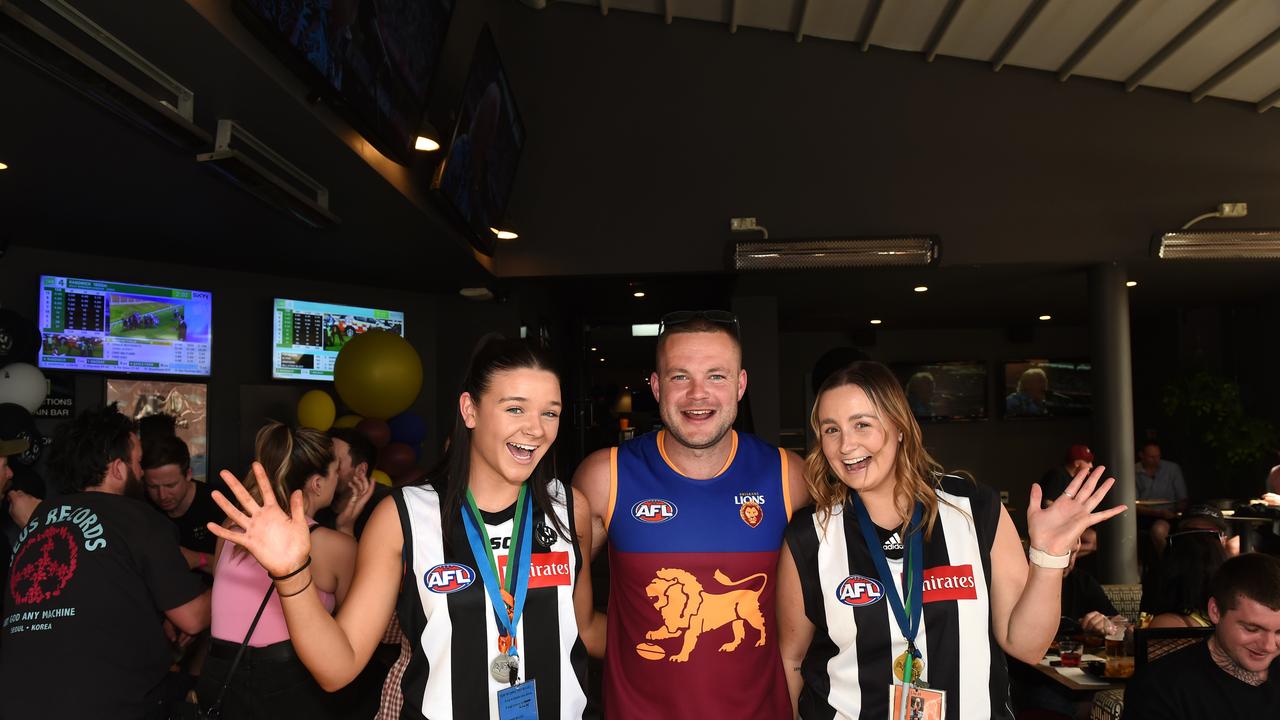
(1047, 388)
(477, 173)
(124, 328)
(373, 60)
(307, 336)
(945, 391)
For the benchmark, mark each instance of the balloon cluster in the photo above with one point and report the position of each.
(378, 375)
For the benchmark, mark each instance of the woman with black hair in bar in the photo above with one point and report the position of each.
(489, 638)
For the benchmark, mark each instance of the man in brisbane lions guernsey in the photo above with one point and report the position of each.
(695, 515)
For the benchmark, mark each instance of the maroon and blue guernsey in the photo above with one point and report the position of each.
(691, 590)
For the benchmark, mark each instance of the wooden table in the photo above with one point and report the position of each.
(1076, 679)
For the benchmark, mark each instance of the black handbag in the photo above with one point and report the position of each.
(197, 710)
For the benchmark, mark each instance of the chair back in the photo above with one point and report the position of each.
(1127, 599)
(1154, 643)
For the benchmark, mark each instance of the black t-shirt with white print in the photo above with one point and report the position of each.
(91, 577)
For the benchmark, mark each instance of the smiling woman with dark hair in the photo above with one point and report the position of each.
(481, 630)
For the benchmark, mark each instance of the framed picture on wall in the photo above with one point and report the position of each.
(1047, 388)
(945, 391)
(187, 403)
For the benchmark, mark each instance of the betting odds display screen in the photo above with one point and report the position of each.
(309, 335)
(124, 328)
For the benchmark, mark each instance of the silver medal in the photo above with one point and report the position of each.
(503, 666)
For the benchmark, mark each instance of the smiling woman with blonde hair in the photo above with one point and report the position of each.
(904, 586)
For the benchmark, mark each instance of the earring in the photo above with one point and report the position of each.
(899, 437)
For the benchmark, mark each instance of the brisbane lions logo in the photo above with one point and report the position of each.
(688, 610)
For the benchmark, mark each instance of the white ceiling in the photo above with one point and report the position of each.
(1112, 38)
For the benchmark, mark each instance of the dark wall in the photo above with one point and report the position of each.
(241, 393)
(1005, 454)
(644, 139)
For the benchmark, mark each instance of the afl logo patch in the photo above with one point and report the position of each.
(449, 577)
(859, 590)
(653, 511)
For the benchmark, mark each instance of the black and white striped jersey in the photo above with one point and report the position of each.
(848, 668)
(446, 613)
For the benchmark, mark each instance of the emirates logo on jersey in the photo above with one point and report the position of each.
(859, 591)
(449, 578)
(654, 511)
(949, 582)
(545, 569)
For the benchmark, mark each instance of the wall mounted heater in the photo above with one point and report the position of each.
(57, 39)
(250, 165)
(1218, 245)
(892, 251)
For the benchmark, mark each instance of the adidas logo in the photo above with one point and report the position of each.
(893, 543)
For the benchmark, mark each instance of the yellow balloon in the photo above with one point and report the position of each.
(378, 374)
(381, 477)
(347, 421)
(316, 410)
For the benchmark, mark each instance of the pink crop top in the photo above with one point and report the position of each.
(239, 583)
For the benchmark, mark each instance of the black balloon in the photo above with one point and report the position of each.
(16, 422)
(19, 338)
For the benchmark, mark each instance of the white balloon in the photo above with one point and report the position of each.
(22, 384)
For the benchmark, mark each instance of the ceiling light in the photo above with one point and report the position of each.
(920, 288)
(503, 234)
(593, 349)
(876, 322)
(645, 330)
(601, 359)
(425, 144)
(1046, 317)
(891, 251)
(3, 166)
(1131, 283)
(638, 293)
(480, 294)
(1219, 245)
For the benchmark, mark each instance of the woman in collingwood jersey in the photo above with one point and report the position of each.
(484, 633)
(901, 589)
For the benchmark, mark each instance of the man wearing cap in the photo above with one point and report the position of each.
(1207, 517)
(20, 504)
(1055, 481)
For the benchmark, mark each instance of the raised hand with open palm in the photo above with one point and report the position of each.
(280, 542)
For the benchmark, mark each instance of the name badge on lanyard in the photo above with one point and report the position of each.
(911, 698)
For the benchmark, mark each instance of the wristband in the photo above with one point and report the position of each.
(299, 592)
(1045, 560)
(306, 565)
(203, 561)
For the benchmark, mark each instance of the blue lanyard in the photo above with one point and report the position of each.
(517, 565)
(914, 585)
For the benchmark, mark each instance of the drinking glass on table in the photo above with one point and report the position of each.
(1069, 652)
(1119, 650)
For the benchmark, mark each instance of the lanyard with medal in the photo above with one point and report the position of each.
(517, 701)
(913, 693)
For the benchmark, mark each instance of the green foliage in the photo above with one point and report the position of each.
(1208, 408)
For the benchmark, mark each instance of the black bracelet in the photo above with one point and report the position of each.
(304, 589)
(305, 565)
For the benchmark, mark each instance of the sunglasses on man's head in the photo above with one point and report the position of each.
(680, 317)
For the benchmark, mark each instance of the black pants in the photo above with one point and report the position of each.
(269, 683)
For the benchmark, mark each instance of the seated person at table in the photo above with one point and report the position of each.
(1272, 494)
(1236, 672)
(1158, 479)
(1053, 482)
(1176, 590)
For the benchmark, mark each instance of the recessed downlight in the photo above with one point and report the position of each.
(876, 322)
(1046, 317)
(638, 294)
(921, 288)
(1131, 283)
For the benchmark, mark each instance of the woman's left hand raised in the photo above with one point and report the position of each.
(1056, 529)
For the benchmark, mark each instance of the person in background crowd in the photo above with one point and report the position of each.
(94, 574)
(1272, 494)
(885, 514)
(293, 461)
(1176, 590)
(1158, 479)
(694, 508)
(189, 505)
(357, 494)
(1236, 672)
(1206, 517)
(1079, 457)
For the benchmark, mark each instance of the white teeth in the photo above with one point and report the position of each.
(855, 461)
(698, 412)
(526, 448)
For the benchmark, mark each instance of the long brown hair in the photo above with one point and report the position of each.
(916, 473)
(290, 456)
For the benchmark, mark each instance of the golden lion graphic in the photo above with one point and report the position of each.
(689, 610)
